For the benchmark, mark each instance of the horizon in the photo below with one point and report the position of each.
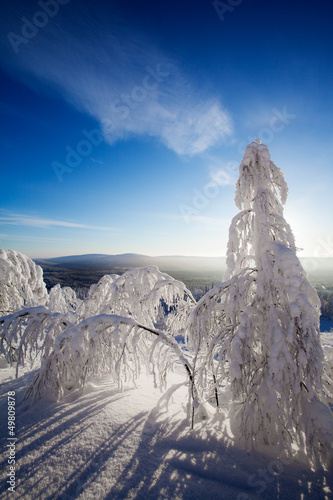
(117, 136)
(311, 264)
(154, 256)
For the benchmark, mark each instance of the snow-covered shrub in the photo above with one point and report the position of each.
(145, 294)
(64, 301)
(106, 344)
(21, 282)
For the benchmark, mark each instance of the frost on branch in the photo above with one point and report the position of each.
(212, 324)
(21, 282)
(64, 301)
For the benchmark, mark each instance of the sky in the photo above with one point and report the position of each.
(123, 123)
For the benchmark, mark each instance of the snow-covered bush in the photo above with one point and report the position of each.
(30, 334)
(64, 301)
(145, 294)
(107, 344)
(21, 282)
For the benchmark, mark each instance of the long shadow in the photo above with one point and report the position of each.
(173, 462)
(80, 480)
(45, 431)
(170, 461)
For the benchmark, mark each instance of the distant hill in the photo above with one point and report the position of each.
(99, 262)
(83, 270)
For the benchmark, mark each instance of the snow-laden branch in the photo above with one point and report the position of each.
(29, 333)
(105, 344)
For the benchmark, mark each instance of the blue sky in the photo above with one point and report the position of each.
(123, 123)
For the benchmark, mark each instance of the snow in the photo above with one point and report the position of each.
(106, 443)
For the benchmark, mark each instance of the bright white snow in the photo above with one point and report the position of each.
(112, 444)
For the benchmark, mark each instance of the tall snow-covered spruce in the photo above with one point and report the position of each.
(262, 324)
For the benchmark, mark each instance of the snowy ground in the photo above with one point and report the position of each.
(126, 445)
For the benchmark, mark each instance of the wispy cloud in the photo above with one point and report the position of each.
(40, 222)
(220, 172)
(129, 86)
(222, 176)
(39, 239)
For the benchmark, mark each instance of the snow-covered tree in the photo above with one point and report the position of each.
(64, 300)
(21, 282)
(260, 329)
(112, 344)
(29, 335)
(113, 330)
(142, 294)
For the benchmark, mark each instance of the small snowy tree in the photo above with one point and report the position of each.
(112, 344)
(140, 293)
(29, 334)
(21, 282)
(261, 327)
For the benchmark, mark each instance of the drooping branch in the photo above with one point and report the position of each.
(95, 346)
(29, 333)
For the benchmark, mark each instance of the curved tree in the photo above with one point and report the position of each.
(123, 325)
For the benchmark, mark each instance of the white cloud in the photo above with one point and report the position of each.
(40, 239)
(126, 84)
(222, 177)
(197, 128)
(222, 173)
(39, 222)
